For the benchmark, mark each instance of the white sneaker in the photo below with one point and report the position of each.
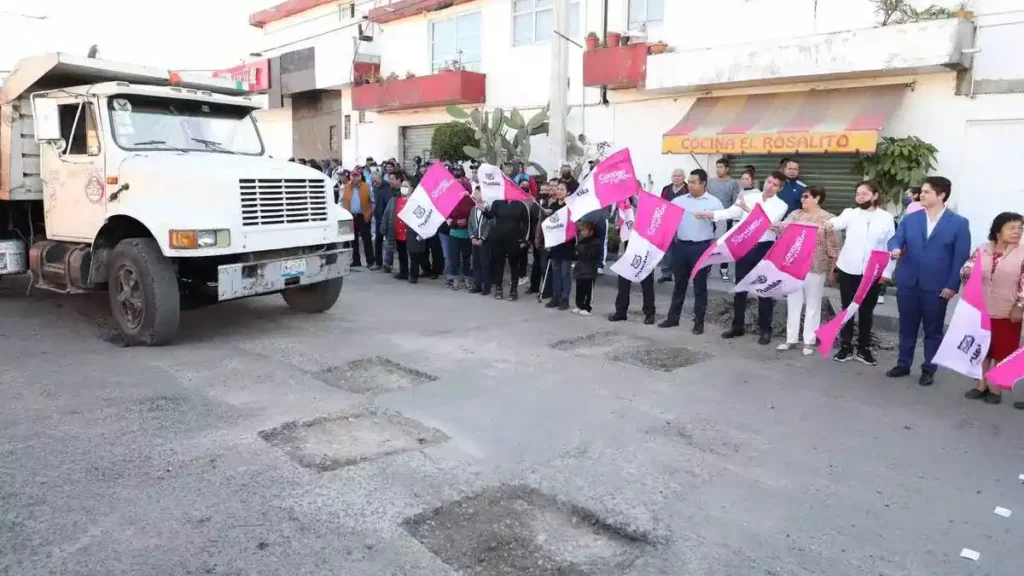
(584, 313)
(881, 299)
(784, 346)
(808, 350)
(575, 310)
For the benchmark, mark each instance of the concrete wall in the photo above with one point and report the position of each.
(276, 130)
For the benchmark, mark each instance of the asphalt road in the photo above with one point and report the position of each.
(413, 430)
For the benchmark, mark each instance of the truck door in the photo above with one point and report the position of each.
(74, 179)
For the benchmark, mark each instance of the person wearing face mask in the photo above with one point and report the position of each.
(397, 233)
(479, 236)
(867, 228)
(565, 175)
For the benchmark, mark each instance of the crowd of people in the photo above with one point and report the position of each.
(930, 248)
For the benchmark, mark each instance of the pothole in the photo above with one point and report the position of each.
(517, 530)
(332, 442)
(373, 375)
(600, 343)
(660, 359)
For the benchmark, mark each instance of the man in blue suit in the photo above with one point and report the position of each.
(931, 246)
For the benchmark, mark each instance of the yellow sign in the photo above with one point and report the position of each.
(864, 141)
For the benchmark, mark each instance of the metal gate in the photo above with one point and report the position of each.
(833, 172)
(416, 142)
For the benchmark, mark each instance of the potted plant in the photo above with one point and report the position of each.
(624, 40)
(658, 47)
(612, 39)
(963, 11)
(592, 41)
(409, 74)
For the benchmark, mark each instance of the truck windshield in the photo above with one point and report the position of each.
(154, 123)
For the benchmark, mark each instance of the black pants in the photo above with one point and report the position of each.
(848, 284)
(524, 259)
(378, 247)
(482, 265)
(505, 250)
(584, 294)
(728, 226)
(362, 230)
(433, 258)
(622, 297)
(403, 259)
(765, 306)
(684, 259)
(417, 262)
(540, 262)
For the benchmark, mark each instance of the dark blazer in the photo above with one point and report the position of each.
(931, 262)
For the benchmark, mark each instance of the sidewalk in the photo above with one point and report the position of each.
(886, 314)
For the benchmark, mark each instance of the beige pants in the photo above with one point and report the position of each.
(810, 294)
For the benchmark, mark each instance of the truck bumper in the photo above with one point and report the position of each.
(270, 276)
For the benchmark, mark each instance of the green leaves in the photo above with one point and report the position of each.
(450, 139)
(457, 113)
(472, 152)
(898, 164)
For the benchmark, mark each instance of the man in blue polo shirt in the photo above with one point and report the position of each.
(793, 189)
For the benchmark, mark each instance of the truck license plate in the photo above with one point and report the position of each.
(293, 268)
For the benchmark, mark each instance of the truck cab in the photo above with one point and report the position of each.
(155, 186)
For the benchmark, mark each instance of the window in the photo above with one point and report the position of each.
(141, 122)
(643, 12)
(456, 39)
(534, 21)
(332, 137)
(78, 129)
(362, 116)
(348, 126)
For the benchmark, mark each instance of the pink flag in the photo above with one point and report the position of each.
(432, 201)
(626, 219)
(1007, 372)
(558, 228)
(965, 345)
(657, 221)
(494, 185)
(913, 207)
(613, 179)
(736, 242)
(786, 265)
(828, 333)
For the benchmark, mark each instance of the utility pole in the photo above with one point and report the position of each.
(559, 82)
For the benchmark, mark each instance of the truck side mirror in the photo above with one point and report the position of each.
(46, 119)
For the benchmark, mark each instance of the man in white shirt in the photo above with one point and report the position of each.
(776, 210)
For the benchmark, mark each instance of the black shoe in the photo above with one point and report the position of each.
(698, 327)
(513, 296)
(563, 306)
(485, 291)
(475, 290)
(498, 295)
(616, 317)
(844, 355)
(666, 323)
(975, 394)
(375, 268)
(732, 333)
(664, 279)
(531, 291)
(1018, 405)
(866, 357)
(435, 276)
(898, 372)
(991, 398)
(649, 319)
(765, 338)
(926, 379)
(356, 265)
(552, 303)
(401, 276)
(414, 280)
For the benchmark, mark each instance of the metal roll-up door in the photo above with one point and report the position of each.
(834, 172)
(416, 142)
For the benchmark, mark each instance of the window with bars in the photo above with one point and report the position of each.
(647, 12)
(534, 21)
(456, 39)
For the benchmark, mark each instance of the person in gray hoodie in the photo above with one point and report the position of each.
(479, 233)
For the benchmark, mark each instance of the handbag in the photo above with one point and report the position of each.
(1017, 310)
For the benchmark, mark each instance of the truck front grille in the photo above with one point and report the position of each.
(268, 201)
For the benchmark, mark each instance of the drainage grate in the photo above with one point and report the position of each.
(661, 359)
(332, 442)
(373, 375)
(519, 531)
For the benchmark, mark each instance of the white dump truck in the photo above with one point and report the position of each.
(155, 187)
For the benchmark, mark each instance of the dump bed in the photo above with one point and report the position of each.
(20, 178)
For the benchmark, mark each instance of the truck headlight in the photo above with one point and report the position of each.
(193, 239)
(346, 227)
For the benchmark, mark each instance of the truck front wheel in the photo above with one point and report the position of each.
(143, 291)
(313, 298)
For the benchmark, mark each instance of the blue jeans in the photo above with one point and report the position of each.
(444, 238)
(561, 279)
(457, 255)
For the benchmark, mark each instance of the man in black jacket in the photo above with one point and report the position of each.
(625, 287)
(509, 238)
(381, 192)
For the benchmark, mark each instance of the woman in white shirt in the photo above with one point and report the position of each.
(868, 228)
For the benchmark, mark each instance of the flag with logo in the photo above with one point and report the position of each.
(965, 345)
(735, 243)
(612, 180)
(828, 332)
(433, 200)
(657, 221)
(558, 228)
(626, 219)
(494, 185)
(1007, 372)
(784, 268)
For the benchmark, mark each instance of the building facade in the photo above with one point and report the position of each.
(758, 80)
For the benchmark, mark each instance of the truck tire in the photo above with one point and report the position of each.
(143, 290)
(313, 298)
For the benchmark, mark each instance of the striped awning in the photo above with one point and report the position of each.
(814, 122)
